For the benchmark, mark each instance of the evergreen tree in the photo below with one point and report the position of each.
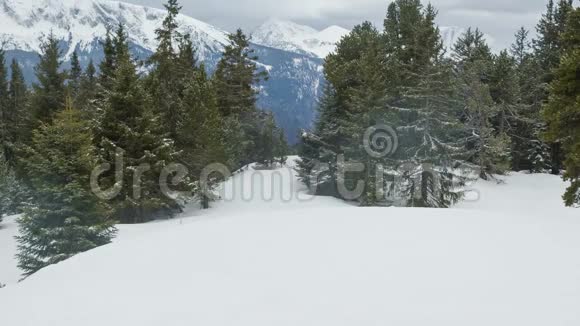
(86, 101)
(236, 75)
(333, 132)
(529, 151)
(268, 142)
(129, 124)
(107, 65)
(398, 78)
(75, 74)
(14, 120)
(201, 137)
(18, 131)
(66, 217)
(5, 141)
(491, 149)
(166, 82)
(235, 82)
(548, 48)
(423, 107)
(49, 93)
(471, 47)
(562, 111)
(281, 150)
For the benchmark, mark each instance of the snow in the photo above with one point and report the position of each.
(269, 254)
(292, 37)
(9, 273)
(80, 22)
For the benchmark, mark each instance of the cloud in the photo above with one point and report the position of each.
(499, 18)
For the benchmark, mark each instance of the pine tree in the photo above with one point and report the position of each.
(529, 151)
(281, 149)
(423, 108)
(201, 137)
(548, 48)
(166, 82)
(5, 141)
(562, 112)
(491, 150)
(319, 149)
(75, 73)
(107, 65)
(66, 218)
(129, 124)
(334, 129)
(236, 76)
(235, 81)
(471, 47)
(49, 93)
(486, 103)
(87, 99)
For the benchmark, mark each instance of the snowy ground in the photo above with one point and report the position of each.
(509, 258)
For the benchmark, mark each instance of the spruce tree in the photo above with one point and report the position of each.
(423, 108)
(66, 218)
(49, 93)
(332, 135)
(529, 150)
(235, 81)
(562, 112)
(107, 65)
(236, 75)
(281, 150)
(201, 138)
(165, 82)
(88, 93)
(130, 125)
(548, 48)
(5, 141)
(74, 77)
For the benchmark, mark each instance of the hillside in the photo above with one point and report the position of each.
(284, 258)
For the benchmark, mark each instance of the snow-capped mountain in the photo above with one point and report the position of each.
(449, 36)
(81, 22)
(289, 36)
(291, 92)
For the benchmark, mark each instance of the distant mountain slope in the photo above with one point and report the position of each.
(289, 36)
(291, 92)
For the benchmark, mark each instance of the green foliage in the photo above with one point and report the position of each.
(272, 146)
(235, 77)
(201, 137)
(399, 78)
(563, 108)
(129, 124)
(236, 81)
(66, 218)
(49, 93)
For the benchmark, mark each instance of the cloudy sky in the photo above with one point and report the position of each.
(498, 18)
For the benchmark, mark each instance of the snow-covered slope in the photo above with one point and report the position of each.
(289, 36)
(275, 256)
(80, 22)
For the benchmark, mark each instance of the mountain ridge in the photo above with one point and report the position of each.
(80, 25)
